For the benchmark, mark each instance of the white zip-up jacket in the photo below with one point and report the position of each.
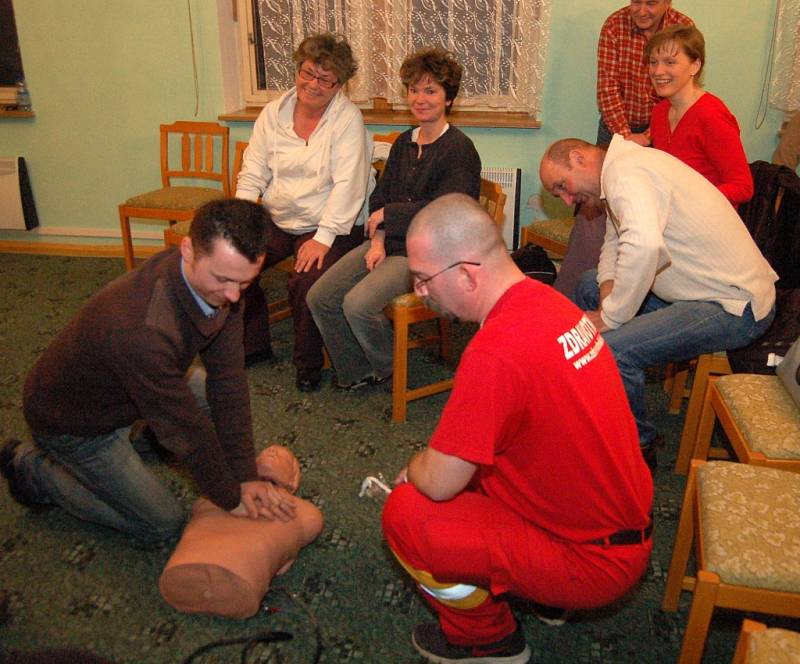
(670, 231)
(319, 185)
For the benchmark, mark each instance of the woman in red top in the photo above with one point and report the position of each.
(690, 123)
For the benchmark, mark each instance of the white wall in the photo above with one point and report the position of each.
(104, 75)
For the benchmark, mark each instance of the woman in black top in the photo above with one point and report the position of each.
(424, 163)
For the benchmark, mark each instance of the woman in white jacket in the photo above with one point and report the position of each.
(309, 161)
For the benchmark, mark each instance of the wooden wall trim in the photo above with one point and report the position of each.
(64, 249)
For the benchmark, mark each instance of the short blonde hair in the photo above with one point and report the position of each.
(686, 37)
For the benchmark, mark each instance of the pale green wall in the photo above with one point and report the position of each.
(104, 74)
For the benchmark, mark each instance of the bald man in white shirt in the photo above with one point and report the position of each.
(679, 274)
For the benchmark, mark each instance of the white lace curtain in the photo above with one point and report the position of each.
(785, 83)
(502, 44)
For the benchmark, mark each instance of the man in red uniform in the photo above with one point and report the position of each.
(533, 483)
(625, 94)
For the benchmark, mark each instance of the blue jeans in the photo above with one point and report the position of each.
(103, 480)
(347, 303)
(667, 332)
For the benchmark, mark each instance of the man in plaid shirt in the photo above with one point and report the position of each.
(625, 95)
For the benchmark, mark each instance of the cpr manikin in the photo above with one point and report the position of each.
(223, 564)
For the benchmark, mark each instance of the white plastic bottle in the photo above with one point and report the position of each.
(23, 97)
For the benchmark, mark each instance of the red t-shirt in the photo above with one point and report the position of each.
(539, 405)
(707, 139)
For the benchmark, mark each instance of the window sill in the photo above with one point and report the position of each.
(16, 114)
(404, 118)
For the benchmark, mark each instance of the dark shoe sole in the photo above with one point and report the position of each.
(308, 380)
(450, 654)
(369, 381)
(8, 453)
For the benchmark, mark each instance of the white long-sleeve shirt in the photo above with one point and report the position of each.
(319, 185)
(672, 232)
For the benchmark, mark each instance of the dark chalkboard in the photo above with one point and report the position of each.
(10, 58)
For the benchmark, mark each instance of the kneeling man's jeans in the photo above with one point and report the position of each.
(102, 479)
(663, 332)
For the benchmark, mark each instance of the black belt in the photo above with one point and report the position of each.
(625, 537)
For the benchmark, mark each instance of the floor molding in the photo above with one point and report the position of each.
(66, 249)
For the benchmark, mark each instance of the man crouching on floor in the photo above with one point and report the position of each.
(533, 483)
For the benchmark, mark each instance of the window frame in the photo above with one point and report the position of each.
(248, 68)
(8, 92)
(376, 111)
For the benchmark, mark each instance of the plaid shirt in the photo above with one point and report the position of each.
(625, 94)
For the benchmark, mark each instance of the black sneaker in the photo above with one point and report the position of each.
(352, 387)
(8, 453)
(551, 616)
(308, 379)
(432, 644)
(369, 381)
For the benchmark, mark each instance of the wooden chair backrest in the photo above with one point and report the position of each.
(238, 159)
(493, 199)
(203, 152)
(390, 138)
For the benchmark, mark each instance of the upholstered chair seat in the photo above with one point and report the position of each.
(743, 522)
(175, 198)
(750, 519)
(550, 234)
(764, 412)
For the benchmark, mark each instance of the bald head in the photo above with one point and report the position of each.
(559, 151)
(570, 170)
(458, 258)
(456, 225)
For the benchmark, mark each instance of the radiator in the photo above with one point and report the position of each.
(509, 179)
(17, 211)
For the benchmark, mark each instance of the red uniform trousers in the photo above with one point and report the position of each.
(473, 539)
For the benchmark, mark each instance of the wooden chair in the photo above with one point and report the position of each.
(739, 519)
(758, 644)
(759, 417)
(377, 163)
(708, 364)
(550, 234)
(409, 309)
(201, 150)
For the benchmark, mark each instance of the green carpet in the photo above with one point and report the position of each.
(71, 584)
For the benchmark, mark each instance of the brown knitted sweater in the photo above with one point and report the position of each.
(125, 355)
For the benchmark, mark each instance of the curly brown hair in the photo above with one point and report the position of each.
(440, 64)
(329, 51)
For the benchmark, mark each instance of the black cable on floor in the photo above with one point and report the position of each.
(248, 641)
(270, 637)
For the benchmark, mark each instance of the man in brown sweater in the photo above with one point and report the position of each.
(128, 355)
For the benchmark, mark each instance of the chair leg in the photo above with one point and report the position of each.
(127, 241)
(694, 638)
(749, 628)
(682, 548)
(400, 364)
(279, 310)
(705, 427)
(690, 424)
(677, 390)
